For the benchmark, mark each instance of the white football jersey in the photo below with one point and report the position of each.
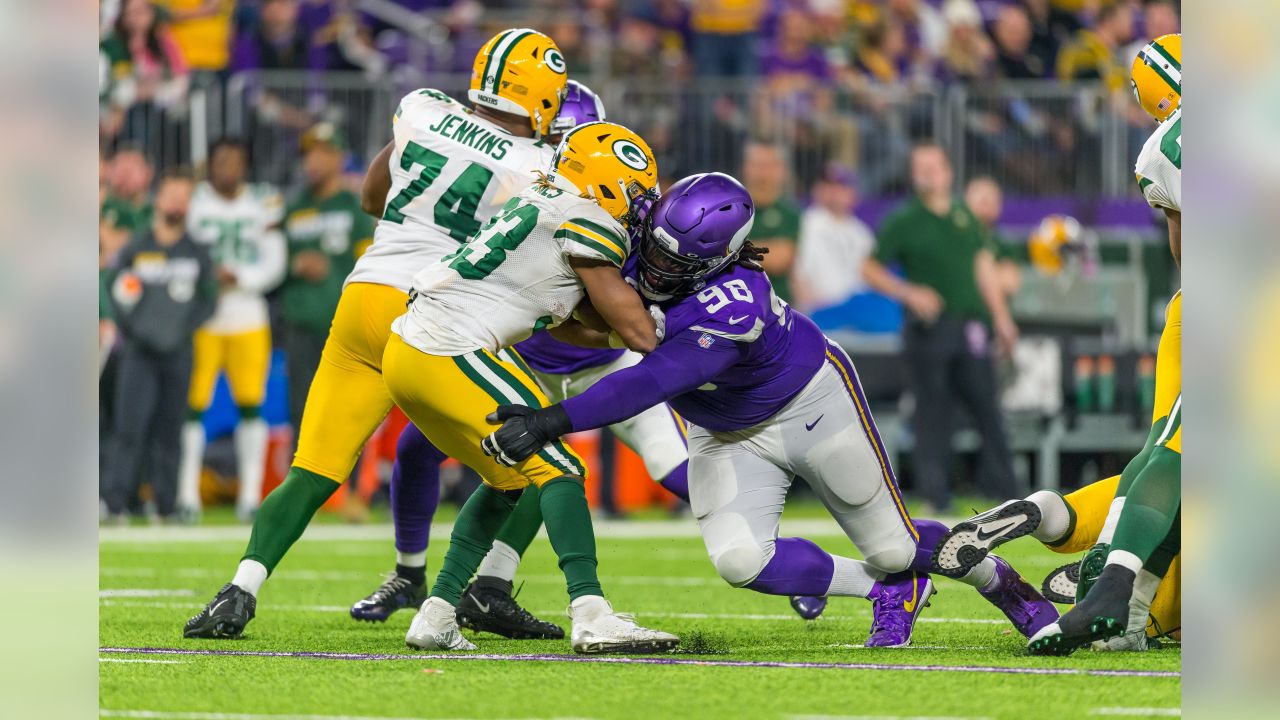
(512, 278)
(451, 171)
(1159, 166)
(242, 234)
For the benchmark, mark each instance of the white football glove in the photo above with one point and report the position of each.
(660, 320)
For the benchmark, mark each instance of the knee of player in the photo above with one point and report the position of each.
(740, 564)
(893, 558)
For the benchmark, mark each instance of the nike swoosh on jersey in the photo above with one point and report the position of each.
(735, 321)
(812, 425)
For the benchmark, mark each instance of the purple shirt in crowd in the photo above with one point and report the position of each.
(732, 357)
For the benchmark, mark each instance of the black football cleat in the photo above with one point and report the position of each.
(966, 544)
(397, 593)
(1091, 566)
(487, 605)
(1103, 614)
(224, 617)
(1060, 585)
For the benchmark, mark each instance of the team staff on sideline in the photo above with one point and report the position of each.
(163, 288)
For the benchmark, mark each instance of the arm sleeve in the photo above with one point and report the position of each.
(678, 366)
(273, 258)
(595, 241)
(206, 301)
(887, 250)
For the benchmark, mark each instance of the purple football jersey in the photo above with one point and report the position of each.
(547, 354)
(779, 349)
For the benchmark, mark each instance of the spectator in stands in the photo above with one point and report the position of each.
(125, 208)
(968, 54)
(924, 29)
(202, 28)
(799, 103)
(948, 286)
(1094, 53)
(1159, 17)
(145, 75)
(326, 231)
(986, 201)
(881, 82)
(725, 34)
(1013, 35)
(163, 289)
(1051, 29)
(777, 225)
(827, 282)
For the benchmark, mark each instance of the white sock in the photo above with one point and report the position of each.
(982, 576)
(190, 465)
(852, 578)
(1113, 518)
(251, 457)
(589, 607)
(1055, 516)
(418, 559)
(250, 576)
(1144, 593)
(501, 562)
(1126, 559)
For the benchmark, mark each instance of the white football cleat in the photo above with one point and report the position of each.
(598, 629)
(435, 627)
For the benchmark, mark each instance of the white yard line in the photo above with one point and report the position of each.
(145, 661)
(175, 715)
(1137, 711)
(882, 717)
(142, 592)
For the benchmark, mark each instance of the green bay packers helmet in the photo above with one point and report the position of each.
(522, 72)
(1156, 76)
(609, 163)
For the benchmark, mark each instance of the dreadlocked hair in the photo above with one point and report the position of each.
(750, 256)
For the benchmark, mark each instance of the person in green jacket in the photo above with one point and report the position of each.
(326, 231)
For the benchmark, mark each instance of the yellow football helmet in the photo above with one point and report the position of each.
(1156, 76)
(609, 163)
(1053, 242)
(522, 72)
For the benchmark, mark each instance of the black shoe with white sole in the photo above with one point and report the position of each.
(1060, 585)
(488, 605)
(969, 542)
(225, 616)
(1103, 614)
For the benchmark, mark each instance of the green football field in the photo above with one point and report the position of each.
(744, 655)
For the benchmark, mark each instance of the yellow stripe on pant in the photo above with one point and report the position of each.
(348, 400)
(448, 399)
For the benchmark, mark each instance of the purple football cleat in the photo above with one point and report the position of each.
(809, 607)
(896, 602)
(1025, 607)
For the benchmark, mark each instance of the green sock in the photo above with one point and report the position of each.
(285, 513)
(1139, 461)
(1160, 560)
(522, 527)
(1151, 506)
(478, 522)
(564, 509)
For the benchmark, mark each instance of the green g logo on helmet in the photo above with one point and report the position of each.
(554, 60)
(630, 154)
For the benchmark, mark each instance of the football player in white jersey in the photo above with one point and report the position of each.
(561, 240)
(239, 223)
(447, 171)
(1140, 539)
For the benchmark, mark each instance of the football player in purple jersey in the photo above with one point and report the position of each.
(767, 397)
(656, 435)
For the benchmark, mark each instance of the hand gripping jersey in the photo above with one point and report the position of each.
(241, 235)
(1159, 166)
(451, 171)
(514, 277)
(733, 355)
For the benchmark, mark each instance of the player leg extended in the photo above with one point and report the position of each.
(248, 362)
(455, 422)
(1148, 516)
(346, 403)
(867, 501)
(208, 357)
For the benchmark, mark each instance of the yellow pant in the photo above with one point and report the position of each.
(246, 358)
(449, 397)
(347, 400)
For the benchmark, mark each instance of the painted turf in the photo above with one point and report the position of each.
(616, 660)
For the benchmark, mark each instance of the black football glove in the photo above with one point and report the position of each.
(524, 431)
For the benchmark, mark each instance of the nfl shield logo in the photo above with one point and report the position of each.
(705, 341)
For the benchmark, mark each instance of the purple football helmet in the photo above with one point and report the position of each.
(580, 105)
(696, 230)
